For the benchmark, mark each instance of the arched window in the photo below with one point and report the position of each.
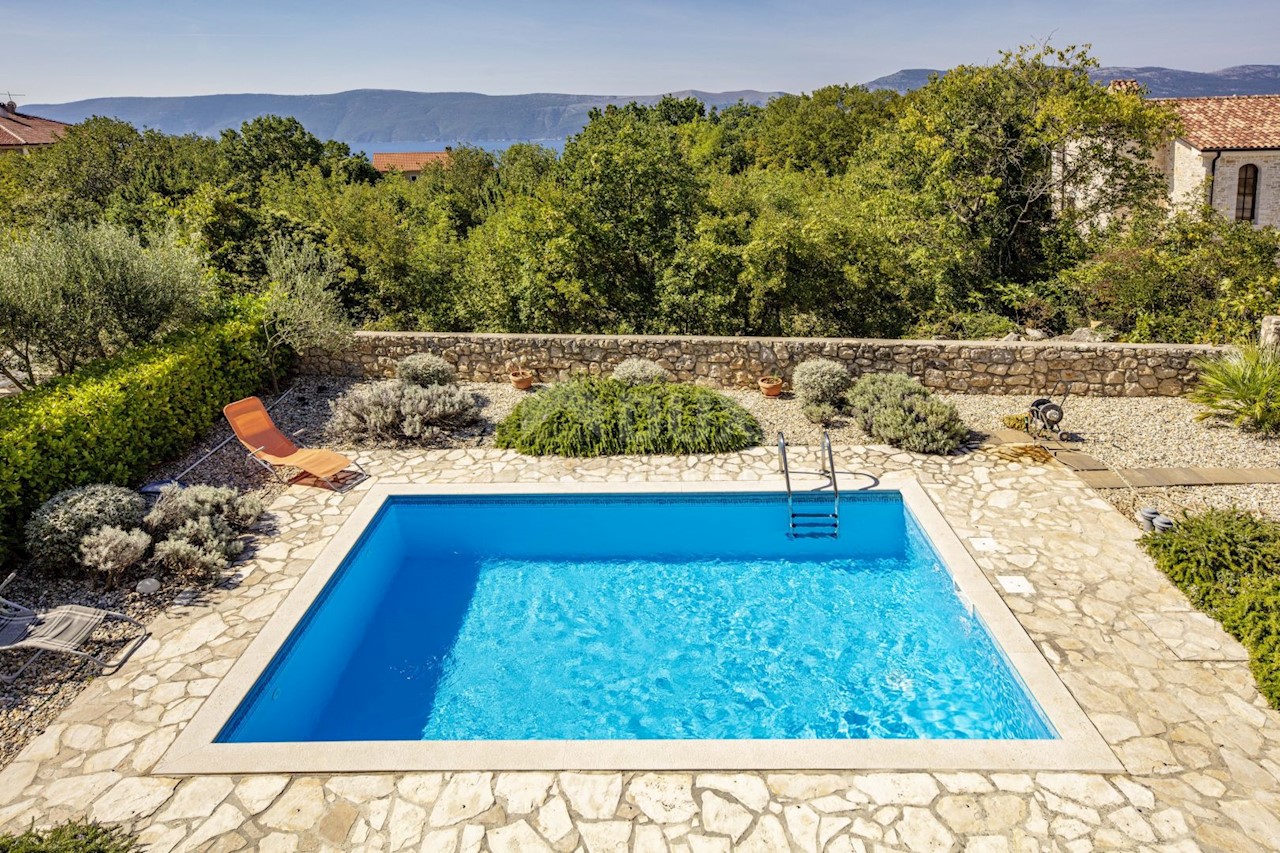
(1247, 193)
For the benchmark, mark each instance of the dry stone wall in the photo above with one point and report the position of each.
(974, 367)
(1270, 335)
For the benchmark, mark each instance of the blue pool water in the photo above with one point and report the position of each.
(637, 616)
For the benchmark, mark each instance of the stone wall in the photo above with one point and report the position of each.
(976, 367)
(1270, 335)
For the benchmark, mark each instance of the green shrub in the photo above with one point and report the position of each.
(73, 837)
(921, 425)
(178, 505)
(197, 528)
(55, 531)
(820, 413)
(1207, 554)
(1243, 387)
(203, 547)
(114, 421)
(1253, 617)
(590, 416)
(426, 369)
(967, 326)
(111, 551)
(640, 371)
(899, 411)
(875, 390)
(1228, 564)
(820, 380)
(394, 411)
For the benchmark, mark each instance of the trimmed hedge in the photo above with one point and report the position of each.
(591, 416)
(117, 419)
(1228, 564)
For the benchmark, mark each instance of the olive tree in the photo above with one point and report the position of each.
(72, 293)
(301, 308)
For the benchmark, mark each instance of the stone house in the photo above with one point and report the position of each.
(410, 163)
(19, 132)
(1229, 150)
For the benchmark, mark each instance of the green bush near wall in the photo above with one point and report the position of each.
(1228, 564)
(117, 419)
(590, 416)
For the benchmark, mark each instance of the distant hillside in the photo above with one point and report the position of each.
(1161, 82)
(905, 80)
(385, 119)
(392, 120)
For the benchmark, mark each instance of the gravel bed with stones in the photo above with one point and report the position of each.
(47, 686)
(1152, 432)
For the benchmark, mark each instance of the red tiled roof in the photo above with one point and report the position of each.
(409, 161)
(17, 129)
(1239, 121)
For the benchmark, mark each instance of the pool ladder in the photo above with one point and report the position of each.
(812, 525)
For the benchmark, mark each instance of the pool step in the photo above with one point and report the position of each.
(828, 525)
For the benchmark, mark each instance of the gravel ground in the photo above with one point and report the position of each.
(1123, 433)
(1152, 432)
(49, 684)
(1143, 432)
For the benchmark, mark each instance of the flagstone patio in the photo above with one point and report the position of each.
(1169, 692)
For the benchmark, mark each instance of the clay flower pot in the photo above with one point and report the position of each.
(522, 379)
(771, 386)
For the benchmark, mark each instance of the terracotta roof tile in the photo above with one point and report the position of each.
(409, 161)
(1239, 121)
(18, 129)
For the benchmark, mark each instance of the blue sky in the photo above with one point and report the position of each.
(61, 50)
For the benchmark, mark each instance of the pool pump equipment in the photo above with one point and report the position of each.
(1045, 416)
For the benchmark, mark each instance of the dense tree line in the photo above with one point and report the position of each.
(1015, 193)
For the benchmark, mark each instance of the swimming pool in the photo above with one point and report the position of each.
(637, 616)
(657, 627)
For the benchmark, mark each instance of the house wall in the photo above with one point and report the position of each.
(977, 367)
(1227, 177)
(1186, 170)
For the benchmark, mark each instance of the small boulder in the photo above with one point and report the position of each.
(1035, 334)
(147, 586)
(1087, 336)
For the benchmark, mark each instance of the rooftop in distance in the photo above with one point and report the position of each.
(1229, 122)
(409, 162)
(18, 130)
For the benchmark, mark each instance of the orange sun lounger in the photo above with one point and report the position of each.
(270, 448)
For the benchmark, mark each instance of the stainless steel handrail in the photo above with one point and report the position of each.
(831, 469)
(786, 473)
(831, 461)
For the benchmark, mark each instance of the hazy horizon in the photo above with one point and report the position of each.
(81, 49)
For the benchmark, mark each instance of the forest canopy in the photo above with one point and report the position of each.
(1009, 195)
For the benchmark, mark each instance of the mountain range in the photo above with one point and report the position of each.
(388, 119)
(395, 120)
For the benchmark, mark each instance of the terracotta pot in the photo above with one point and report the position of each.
(522, 379)
(771, 386)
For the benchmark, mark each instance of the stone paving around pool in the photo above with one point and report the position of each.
(1169, 692)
